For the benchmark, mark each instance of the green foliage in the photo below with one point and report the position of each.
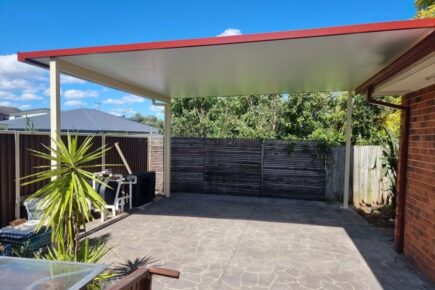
(152, 121)
(309, 116)
(87, 254)
(254, 117)
(68, 197)
(30, 125)
(425, 9)
(389, 161)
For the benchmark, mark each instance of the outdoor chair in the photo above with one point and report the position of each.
(141, 279)
(21, 235)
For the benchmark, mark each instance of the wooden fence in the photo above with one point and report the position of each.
(22, 163)
(218, 166)
(247, 167)
(269, 168)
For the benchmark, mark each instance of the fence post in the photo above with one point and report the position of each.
(17, 176)
(103, 157)
(261, 167)
(149, 152)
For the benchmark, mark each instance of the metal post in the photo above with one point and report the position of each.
(167, 151)
(348, 150)
(54, 105)
(17, 176)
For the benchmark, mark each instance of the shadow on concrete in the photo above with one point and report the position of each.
(393, 271)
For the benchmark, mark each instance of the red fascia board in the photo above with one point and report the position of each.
(307, 33)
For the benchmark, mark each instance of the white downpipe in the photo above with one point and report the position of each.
(348, 150)
(167, 151)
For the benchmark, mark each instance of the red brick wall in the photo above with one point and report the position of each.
(419, 237)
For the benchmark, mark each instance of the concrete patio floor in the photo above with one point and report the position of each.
(228, 242)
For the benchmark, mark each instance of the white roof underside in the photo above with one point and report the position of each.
(326, 63)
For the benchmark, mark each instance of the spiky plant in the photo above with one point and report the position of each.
(388, 162)
(68, 197)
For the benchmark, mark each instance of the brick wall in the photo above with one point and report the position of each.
(419, 232)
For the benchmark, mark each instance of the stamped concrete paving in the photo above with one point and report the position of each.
(227, 242)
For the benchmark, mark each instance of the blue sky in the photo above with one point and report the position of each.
(35, 25)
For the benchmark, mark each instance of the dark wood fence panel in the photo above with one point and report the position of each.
(134, 150)
(293, 169)
(29, 162)
(7, 178)
(232, 166)
(248, 167)
(187, 172)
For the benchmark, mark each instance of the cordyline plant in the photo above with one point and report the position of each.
(68, 197)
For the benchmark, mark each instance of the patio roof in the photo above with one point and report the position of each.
(396, 57)
(325, 59)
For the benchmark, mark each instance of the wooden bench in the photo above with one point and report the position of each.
(141, 279)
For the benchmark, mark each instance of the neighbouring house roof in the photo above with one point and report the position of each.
(8, 110)
(323, 59)
(81, 120)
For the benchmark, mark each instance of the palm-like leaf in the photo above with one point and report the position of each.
(67, 199)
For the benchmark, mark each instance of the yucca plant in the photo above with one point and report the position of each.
(68, 197)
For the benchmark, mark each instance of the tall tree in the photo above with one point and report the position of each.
(309, 116)
(152, 121)
(425, 8)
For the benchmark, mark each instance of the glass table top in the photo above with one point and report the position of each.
(33, 274)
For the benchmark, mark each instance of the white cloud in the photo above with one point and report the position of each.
(29, 97)
(157, 108)
(64, 79)
(230, 31)
(11, 68)
(25, 107)
(127, 99)
(7, 104)
(123, 112)
(5, 95)
(80, 94)
(75, 103)
(20, 82)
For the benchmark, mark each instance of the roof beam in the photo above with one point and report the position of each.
(93, 76)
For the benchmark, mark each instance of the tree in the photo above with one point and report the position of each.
(307, 116)
(425, 9)
(228, 117)
(152, 121)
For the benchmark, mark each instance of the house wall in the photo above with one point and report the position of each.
(419, 231)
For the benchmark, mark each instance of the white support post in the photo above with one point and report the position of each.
(167, 151)
(17, 176)
(103, 157)
(348, 155)
(54, 105)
